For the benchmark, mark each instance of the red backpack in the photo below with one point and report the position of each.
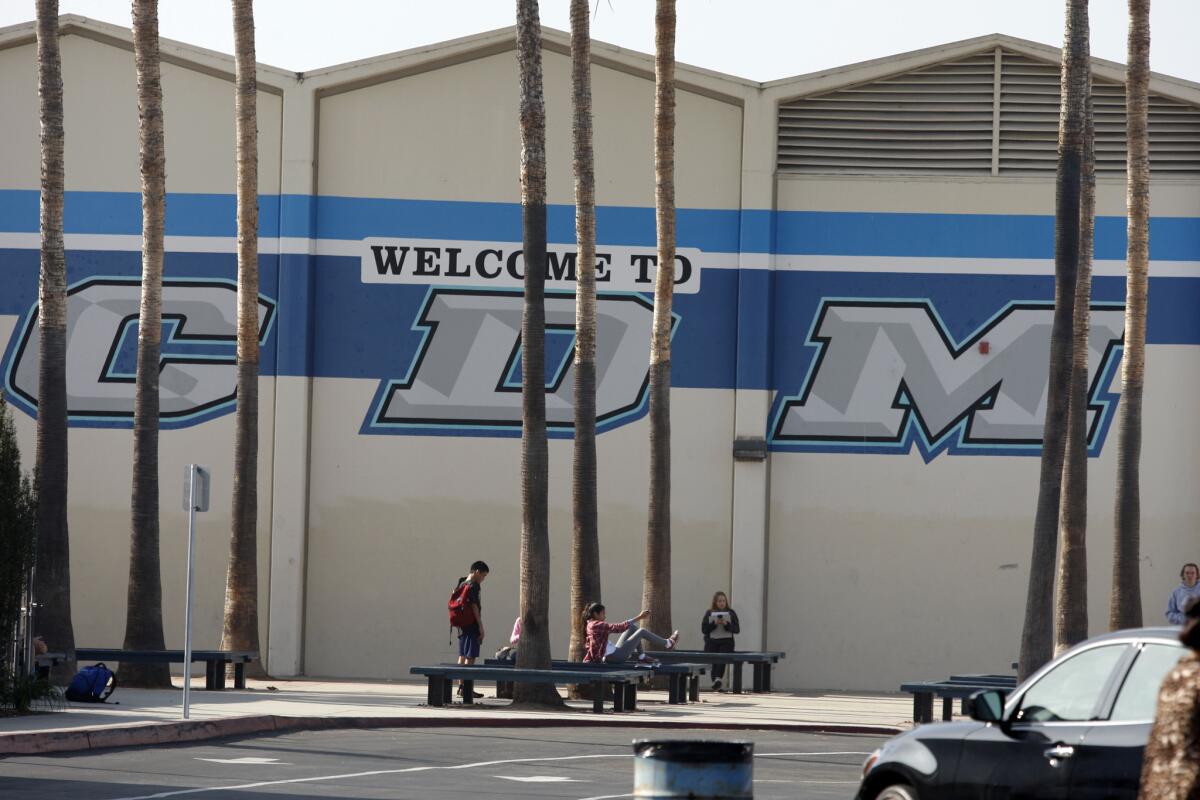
(461, 613)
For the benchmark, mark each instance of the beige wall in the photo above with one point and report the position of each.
(452, 134)
(395, 520)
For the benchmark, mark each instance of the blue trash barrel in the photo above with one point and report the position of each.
(697, 769)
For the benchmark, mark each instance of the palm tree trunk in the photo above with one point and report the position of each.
(1071, 612)
(52, 590)
(534, 652)
(585, 544)
(143, 611)
(1037, 639)
(656, 580)
(240, 631)
(1125, 610)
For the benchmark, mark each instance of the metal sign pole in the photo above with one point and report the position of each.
(187, 603)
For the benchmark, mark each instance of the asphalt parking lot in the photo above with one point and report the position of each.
(570, 763)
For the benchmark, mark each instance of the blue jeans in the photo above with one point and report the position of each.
(628, 641)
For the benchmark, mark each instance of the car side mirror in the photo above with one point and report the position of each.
(987, 705)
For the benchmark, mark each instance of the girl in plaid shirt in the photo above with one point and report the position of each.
(631, 635)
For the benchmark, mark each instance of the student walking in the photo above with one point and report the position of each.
(466, 614)
(719, 625)
(598, 631)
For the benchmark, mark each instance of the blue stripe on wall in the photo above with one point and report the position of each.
(994, 236)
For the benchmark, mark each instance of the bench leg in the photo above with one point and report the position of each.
(239, 675)
(619, 697)
(965, 706)
(766, 677)
(468, 690)
(447, 691)
(210, 680)
(631, 696)
(672, 689)
(434, 696)
(758, 680)
(598, 690)
(922, 707)
(694, 688)
(736, 668)
(218, 670)
(947, 708)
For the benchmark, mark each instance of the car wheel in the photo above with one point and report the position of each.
(897, 791)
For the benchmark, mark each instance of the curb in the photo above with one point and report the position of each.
(142, 734)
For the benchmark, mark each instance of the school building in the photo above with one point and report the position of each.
(860, 354)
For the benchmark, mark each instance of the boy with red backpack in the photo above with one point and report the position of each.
(466, 614)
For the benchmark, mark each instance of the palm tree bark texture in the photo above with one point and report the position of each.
(1037, 636)
(240, 631)
(585, 544)
(52, 582)
(1125, 605)
(656, 579)
(143, 611)
(1071, 611)
(534, 652)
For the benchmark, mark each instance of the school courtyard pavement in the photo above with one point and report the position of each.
(138, 717)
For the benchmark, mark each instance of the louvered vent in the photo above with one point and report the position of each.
(940, 120)
(934, 120)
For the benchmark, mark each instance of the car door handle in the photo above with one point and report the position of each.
(1059, 751)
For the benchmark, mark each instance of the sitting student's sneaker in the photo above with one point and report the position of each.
(672, 639)
(717, 685)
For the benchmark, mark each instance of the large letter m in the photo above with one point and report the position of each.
(887, 374)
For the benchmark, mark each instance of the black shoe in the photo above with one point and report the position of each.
(717, 685)
(473, 694)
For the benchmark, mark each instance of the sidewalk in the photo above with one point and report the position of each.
(154, 716)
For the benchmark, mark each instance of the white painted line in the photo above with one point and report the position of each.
(540, 779)
(606, 797)
(474, 765)
(371, 773)
(246, 760)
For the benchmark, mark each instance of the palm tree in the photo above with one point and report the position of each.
(1037, 634)
(143, 611)
(585, 544)
(656, 579)
(1125, 610)
(534, 652)
(1071, 613)
(52, 588)
(240, 631)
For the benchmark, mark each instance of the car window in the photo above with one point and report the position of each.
(1139, 692)
(1070, 691)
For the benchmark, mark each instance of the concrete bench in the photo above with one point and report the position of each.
(214, 661)
(762, 660)
(441, 678)
(958, 687)
(683, 680)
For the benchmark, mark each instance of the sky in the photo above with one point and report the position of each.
(761, 40)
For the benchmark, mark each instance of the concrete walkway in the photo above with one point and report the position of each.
(141, 716)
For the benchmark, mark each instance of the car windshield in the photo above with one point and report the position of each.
(1071, 690)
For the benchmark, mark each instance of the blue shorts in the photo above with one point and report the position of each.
(468, 642)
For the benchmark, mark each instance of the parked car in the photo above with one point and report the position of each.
(1076, 728)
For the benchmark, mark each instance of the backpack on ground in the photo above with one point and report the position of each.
(92, 684)
(461, 613)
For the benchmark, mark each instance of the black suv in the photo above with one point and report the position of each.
(1076, 728)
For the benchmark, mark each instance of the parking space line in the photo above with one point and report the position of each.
(431, 768)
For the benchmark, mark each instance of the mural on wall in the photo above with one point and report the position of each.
(197, 376)
(887, 376)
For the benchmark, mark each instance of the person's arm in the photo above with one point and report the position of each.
(1174, 612)
(734, 626)
(515, 637)
(479, 619)
(707, 625)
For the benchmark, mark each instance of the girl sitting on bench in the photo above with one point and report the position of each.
(631, 636)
